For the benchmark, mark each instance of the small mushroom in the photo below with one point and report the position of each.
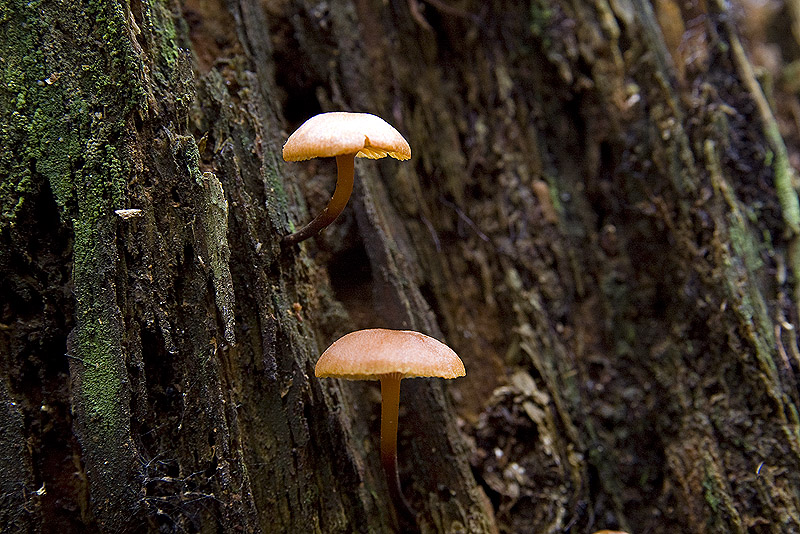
(345, 136)
(389, 356)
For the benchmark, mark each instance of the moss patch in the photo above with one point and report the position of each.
(55, 99)
(70, 82)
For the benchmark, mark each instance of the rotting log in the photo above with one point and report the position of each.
(600, 217)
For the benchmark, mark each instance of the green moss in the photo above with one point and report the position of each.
(168, 40)
(53, 100)
(100, 183)
(26, 100)
(711, 496)
(724, 517)
(540, 15)
(555, 195)
(751, 307)
(787, 196)
(794, 420)
(70, 80)
(98, 349)
(159, 27)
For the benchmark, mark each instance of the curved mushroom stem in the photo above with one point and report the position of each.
(344, 187)
(390, 406)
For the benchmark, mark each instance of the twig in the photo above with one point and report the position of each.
(464, 218)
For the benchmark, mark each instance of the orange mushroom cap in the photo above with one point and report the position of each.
(337, 133)
(368, 354)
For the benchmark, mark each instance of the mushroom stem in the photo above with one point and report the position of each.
(390, 406)
(344, 187)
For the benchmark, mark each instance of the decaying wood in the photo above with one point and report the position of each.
(600, 217)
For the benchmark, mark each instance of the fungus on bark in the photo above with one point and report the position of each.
(389, 356)
(345, 136)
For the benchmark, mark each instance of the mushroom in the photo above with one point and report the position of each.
(345, 136)
(389, 356)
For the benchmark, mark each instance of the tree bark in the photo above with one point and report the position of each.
(600, 217)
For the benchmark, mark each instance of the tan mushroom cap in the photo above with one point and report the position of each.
(337, 133)
(368, 354)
